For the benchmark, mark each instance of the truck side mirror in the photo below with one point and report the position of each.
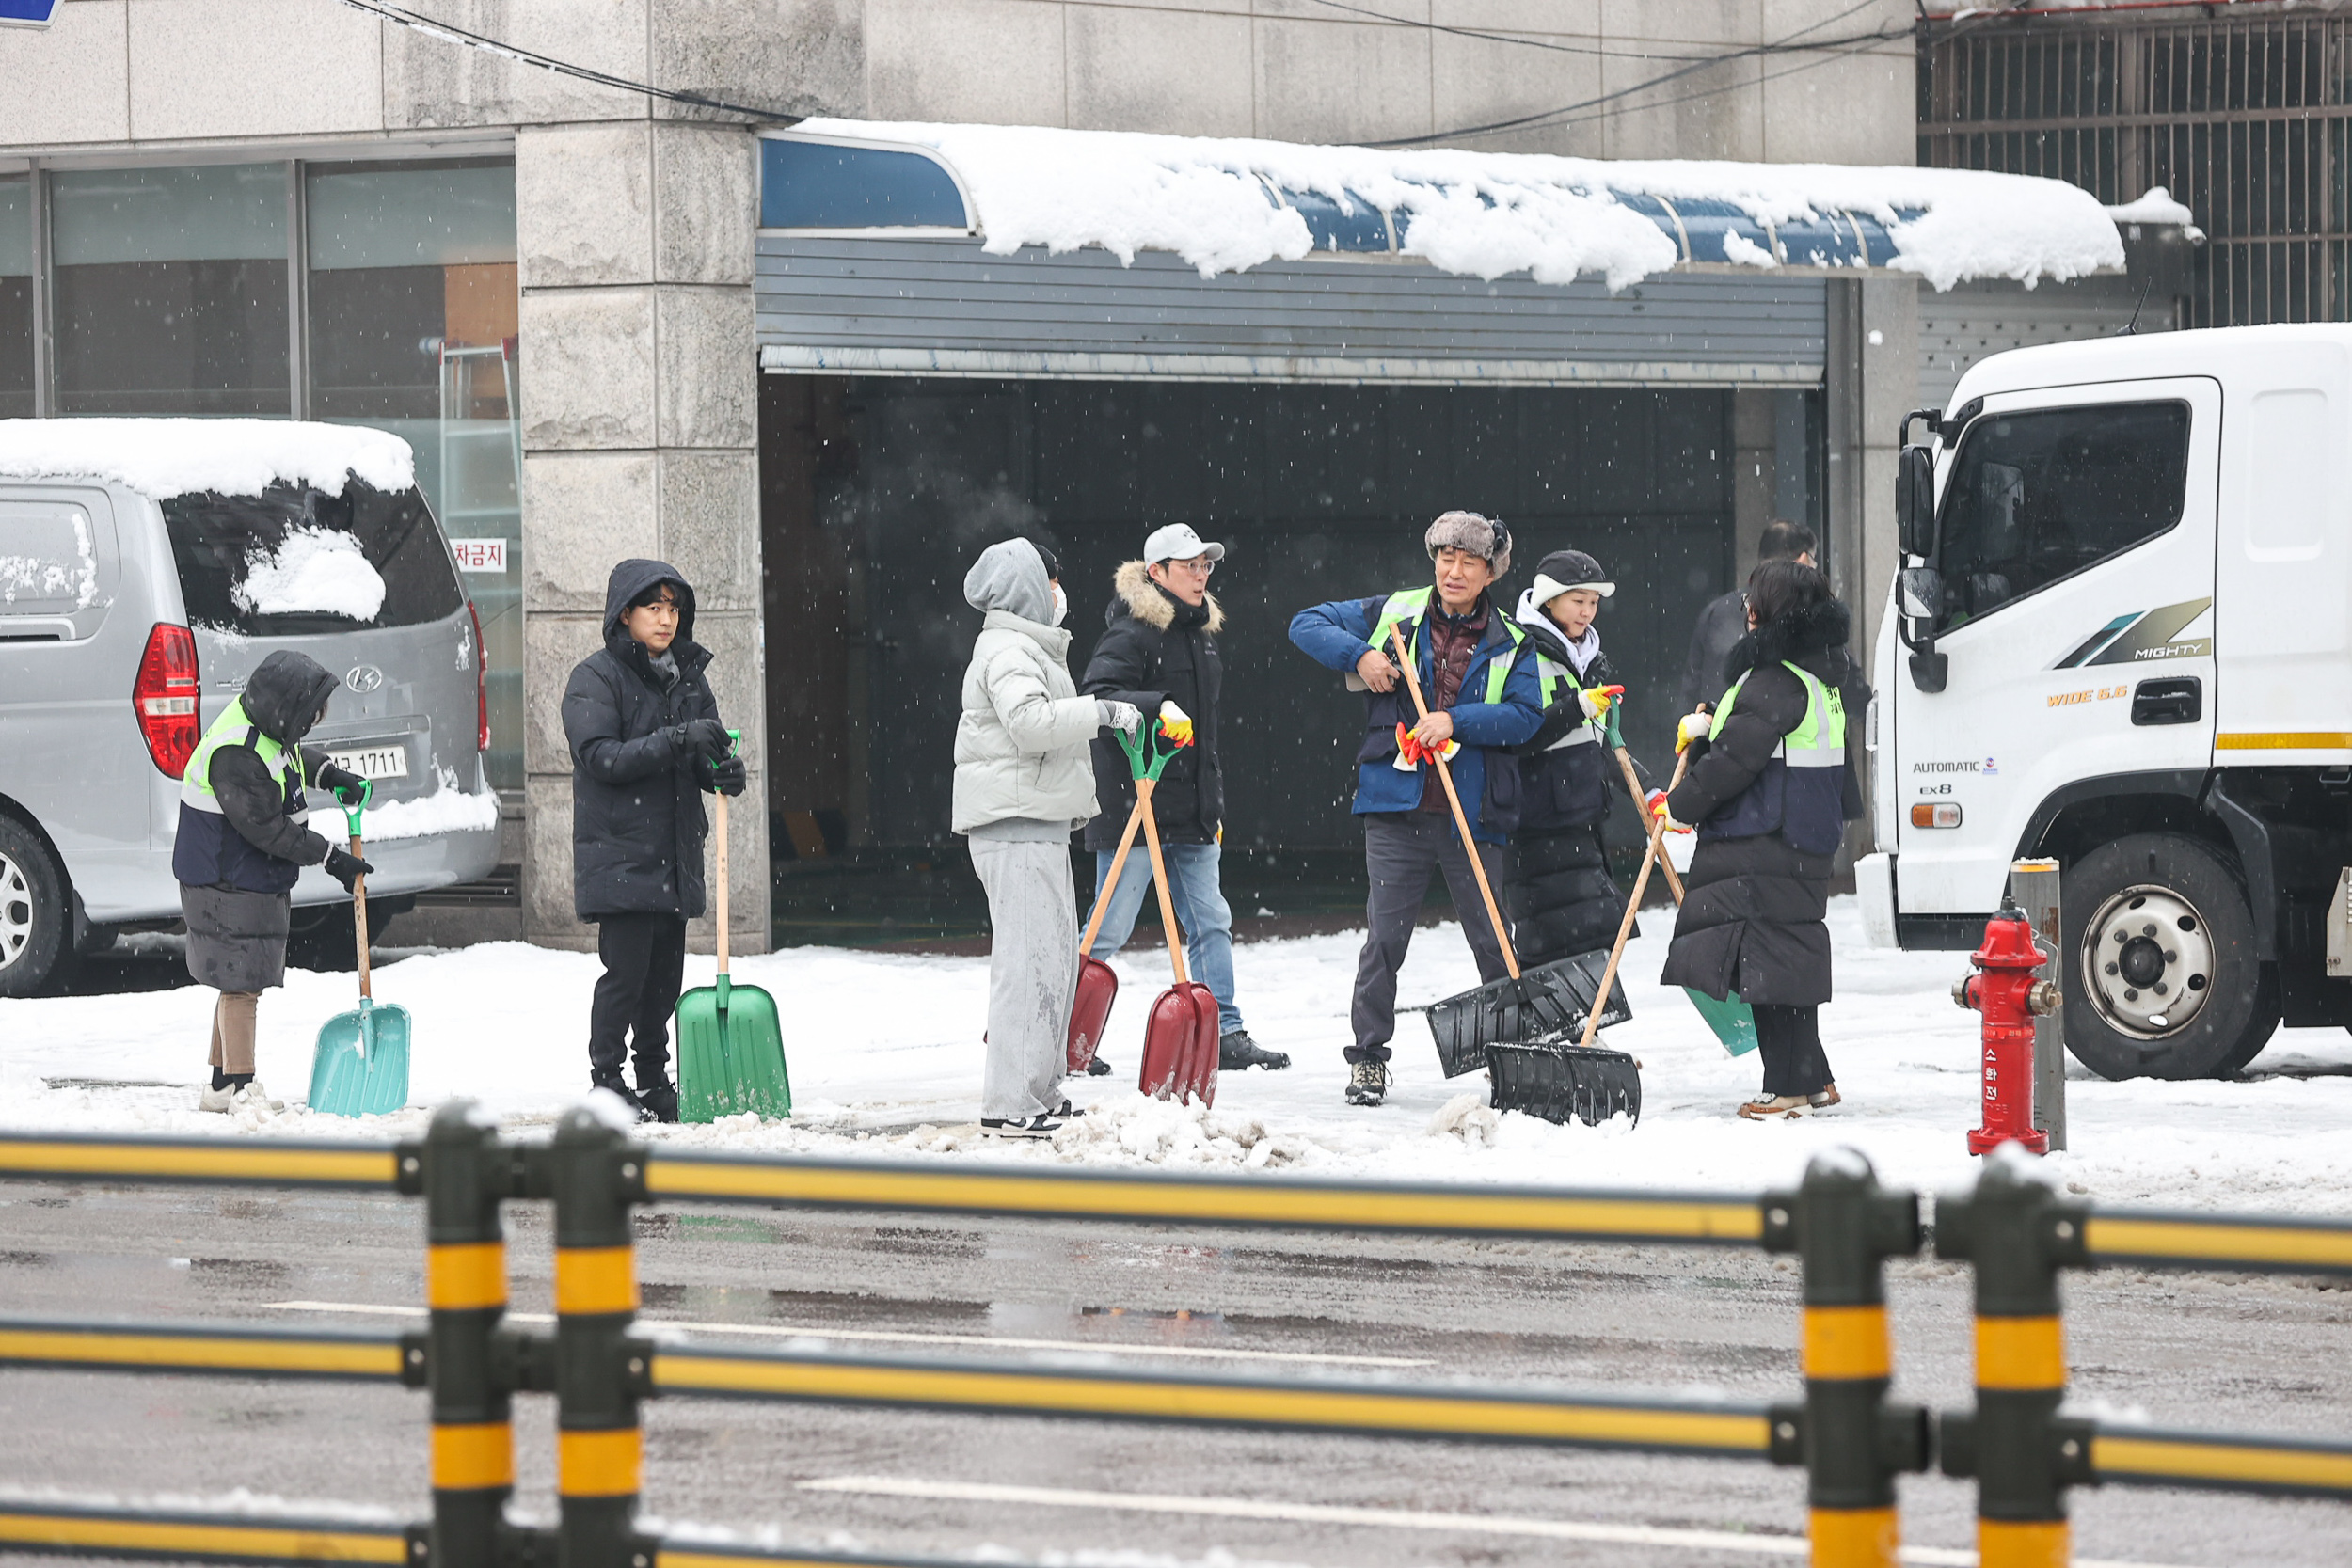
(1921, 591)
(1915, 500)
(1919, 598)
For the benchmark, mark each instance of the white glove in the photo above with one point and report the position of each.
(1694, 727)
(1123, 716)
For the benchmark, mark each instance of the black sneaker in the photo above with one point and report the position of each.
(1367, 1083)
(627, 1095)
(660, 1098)
(1040, 1126)
(1098, 1067)
(1238, 1050)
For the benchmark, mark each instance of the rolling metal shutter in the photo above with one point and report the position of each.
(942, 307)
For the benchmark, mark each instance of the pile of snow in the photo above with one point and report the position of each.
(176, 457)
(447, 810)
(2156, 206)
(313, 571)
(1482, 214)
(36, 577)
(886, 1060)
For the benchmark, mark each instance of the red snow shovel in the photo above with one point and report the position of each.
(1180, 1034)
(1098, 987)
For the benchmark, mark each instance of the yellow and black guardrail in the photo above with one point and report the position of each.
(1850, 1438)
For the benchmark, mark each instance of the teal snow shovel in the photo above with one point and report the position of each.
(730, 1041)
(361, 1067)
(1733, 1020)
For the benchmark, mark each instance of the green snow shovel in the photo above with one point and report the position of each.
(360, 1066)
(1733, 1020)
(730, 1041)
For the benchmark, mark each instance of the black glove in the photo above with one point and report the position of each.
(345, 867)
(337, 780)
(729, 775)
(706, 738)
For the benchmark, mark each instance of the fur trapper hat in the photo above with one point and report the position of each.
(1483, 537)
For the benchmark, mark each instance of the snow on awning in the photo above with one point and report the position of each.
(162, 458)
(1228, 205)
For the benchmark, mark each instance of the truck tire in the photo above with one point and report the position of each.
(35, 912)
(2162, 980)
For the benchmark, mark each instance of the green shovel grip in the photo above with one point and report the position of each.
(1145, 759)
(735, 741)
(351, 813)
(1616, 734)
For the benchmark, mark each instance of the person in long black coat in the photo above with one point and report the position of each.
(647, 746)
(1752, 919)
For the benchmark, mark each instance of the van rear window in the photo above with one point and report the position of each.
(294, 561)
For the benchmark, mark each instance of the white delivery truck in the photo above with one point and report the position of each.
(2121, 637)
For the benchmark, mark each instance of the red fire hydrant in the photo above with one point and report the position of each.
(2005, 991)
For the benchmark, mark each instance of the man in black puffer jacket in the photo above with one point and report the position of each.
(647, 744)
(1158, 650)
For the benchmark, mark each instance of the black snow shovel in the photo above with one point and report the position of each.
(1540, 1007)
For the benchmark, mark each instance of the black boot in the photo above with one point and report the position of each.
(660, 1098)
(1238, 1050)
(628, 1096)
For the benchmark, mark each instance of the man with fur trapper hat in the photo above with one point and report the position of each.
(1483, 698)
(1158, 650)
(1562, 900)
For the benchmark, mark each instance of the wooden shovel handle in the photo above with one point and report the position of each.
(1159, 878)
(1641, 809)
(1445, 776)
(1652, 853)
(1119, 864)
(360, 919)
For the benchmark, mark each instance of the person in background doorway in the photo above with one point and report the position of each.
(1482, 697)
(244, 838)
(647, 746)
(1023, 782)
(1563, 899)
(1769, 793)
(1724, 620)
(1158, 653)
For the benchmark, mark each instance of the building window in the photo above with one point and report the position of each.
(412, 324)
(16, 299)
(170, 290)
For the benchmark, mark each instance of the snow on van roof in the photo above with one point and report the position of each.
(1479, 213)
(176, 457)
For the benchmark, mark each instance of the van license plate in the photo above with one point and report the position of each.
(374, 762)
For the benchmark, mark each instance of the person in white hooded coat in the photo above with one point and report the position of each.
(1025, 779)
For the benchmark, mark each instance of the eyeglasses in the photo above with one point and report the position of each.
(1199, 566)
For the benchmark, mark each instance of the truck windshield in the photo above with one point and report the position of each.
(2038, 496)
(294, 561)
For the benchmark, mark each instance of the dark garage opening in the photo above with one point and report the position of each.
(878, 492)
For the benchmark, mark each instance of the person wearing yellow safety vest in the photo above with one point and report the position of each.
(1483, 697)
(244, 838)
(1770, 792)
(1563, 899)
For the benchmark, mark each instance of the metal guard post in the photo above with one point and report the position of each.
(595, 1174)
(465, 1173)
(1844, 1226)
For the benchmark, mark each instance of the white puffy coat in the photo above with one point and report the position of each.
(1022, 740)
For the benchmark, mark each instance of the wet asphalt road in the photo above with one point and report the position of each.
(2248, 1354)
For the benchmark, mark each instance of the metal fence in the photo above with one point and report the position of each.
(1851, 1439)
(2243, 119)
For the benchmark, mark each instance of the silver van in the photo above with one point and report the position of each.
(146, 566)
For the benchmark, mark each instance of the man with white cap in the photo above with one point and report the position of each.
(1158, 650)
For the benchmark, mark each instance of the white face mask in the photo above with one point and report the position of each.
(1061, 604)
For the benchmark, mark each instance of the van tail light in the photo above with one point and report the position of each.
(481, 683)
(163, 698)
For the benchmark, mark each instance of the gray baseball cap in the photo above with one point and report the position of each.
(1177, 542)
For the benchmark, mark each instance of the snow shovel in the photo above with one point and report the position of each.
(1180, 1034)
(1540, 1005)
(360, 1065)
(1098, 987)
(1733, 1020)
(730, 1042)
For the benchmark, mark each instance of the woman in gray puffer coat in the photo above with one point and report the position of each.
(1025, 777)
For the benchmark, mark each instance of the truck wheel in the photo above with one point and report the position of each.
(2163, 980)
(35, 912)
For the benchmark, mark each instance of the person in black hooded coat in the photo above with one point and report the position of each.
(1752, 919)
(647, 745)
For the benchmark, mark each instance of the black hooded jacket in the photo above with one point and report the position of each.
(638, 823)
(1156, 648)
(254, 842)
(1751, 920)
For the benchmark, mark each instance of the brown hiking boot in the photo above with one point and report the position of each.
(1827, 1097)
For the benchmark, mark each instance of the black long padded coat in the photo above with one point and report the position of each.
(1156, 648)
(638, 823)
(1752, 918)
(1562, 898)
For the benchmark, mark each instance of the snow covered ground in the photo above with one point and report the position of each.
(885, 1059)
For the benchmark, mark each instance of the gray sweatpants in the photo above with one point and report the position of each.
(1401, 849)
(1032, 974)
